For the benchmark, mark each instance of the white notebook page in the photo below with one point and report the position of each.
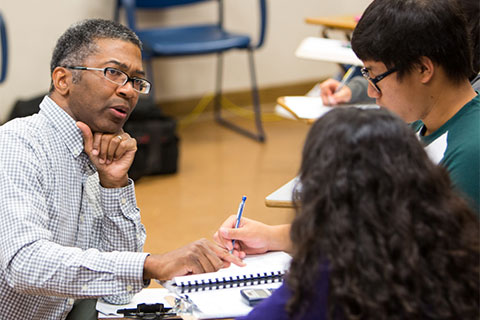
(264, 263)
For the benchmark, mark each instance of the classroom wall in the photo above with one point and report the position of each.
(33, 27)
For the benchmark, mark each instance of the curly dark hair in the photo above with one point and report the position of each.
(399, 242)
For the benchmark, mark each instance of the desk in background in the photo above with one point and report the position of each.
(343, 23)
(282, 197)
(317, 49)
(333, 50)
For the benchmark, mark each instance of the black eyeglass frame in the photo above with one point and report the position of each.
(374, 81)
(128, 78)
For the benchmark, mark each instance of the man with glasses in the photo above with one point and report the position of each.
(418, 61)
(71, 229)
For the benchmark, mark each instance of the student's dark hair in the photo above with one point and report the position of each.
(78, 42)
(400, 32)
(471, 10)
(399, 242)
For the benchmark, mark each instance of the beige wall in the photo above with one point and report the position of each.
(33, 27)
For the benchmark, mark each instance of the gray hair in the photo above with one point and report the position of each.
(78, 42)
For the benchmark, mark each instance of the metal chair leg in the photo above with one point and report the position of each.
(259, 135)
(217, 102)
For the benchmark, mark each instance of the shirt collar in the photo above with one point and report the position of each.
(64, 124)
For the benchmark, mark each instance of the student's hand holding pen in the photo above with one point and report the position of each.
(252, 237)
(332, 94)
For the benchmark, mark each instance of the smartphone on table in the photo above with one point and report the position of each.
(253, 296)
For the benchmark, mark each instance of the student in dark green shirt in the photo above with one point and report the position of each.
(419, 66)
(456, 146)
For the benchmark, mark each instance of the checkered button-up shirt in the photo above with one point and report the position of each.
(62, 235)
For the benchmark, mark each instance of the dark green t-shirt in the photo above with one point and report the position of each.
(456, 145)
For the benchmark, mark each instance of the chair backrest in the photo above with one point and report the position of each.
(4, 53)
(130, 7)
(159, 4)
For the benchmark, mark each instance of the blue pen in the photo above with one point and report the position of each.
(239, 216)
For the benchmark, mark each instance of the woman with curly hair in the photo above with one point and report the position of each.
(380, 233)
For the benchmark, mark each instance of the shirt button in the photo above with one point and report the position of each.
(70, 301)
(129, 288)
(82, 218)
(84, 287)
(123, 200)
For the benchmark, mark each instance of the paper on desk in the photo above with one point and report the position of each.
(154, 295)
(304, 108)
(273, 261)
(327, 50)
(225, 300)
(224, 303)
(312, 108)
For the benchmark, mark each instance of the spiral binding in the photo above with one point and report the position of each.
(230, 282)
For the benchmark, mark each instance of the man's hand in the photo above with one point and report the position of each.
(112, 155)
(332, 98)
(252, 237)
(198, 257)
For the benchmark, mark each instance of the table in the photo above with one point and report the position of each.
(148, 295)
(332, 50)
(282, 197)
(318, 49)
(344, 23)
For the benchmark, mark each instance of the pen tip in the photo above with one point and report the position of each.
(244, 198)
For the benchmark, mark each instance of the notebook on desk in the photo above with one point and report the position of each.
(304, 108)
(217, 294)
(309, 109)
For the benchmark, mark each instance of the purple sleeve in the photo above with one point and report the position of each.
(274, 306)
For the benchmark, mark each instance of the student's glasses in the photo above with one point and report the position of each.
(374, 81)
(121, 78)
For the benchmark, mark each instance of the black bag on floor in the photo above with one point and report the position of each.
(157, 141)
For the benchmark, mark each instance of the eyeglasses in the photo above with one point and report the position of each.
(374, 81)
(121, 78)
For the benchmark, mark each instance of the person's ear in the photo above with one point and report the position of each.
(62, 80)
(426, 69)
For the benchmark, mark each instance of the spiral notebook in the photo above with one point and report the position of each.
(217, 294)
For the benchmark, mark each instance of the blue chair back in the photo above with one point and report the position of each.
(164, 3)
(198, 39)
(4, 59)
(131, 5)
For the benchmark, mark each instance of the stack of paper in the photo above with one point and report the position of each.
(303, 107)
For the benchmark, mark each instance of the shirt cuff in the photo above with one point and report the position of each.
(129, 271)
(120, 200)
